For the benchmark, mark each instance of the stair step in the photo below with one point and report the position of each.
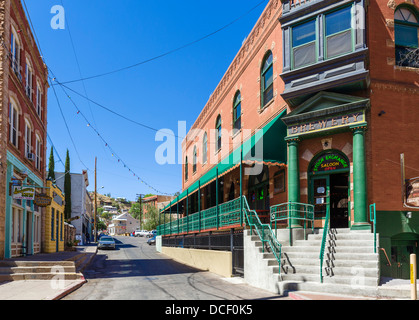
(36, 269)
(348, 280)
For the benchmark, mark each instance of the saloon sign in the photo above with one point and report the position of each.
(23, 193)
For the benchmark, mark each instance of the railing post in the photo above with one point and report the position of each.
(187, 210)
(216, 199)
(177, 210)
(199, 204)
(241, 185)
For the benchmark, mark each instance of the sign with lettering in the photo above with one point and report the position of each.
(412, 192)
(326, 124)
(329, 162)
(23, 193)
(42, 200)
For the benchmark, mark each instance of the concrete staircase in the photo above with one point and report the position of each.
(15, 270)
(350, 265)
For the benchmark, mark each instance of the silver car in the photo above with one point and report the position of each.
(106, 242)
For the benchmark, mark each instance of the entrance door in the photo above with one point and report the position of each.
(330, 194)
(321, 196)
(400, 257)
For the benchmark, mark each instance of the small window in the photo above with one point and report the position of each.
(194, 160)
(406, 26)
(186, 169)
(279, 182)
(338, 32)
(204, 148)
(29, 79)
(237, 110)
(304, 44)
(267, 79)
(28, 139)
(218, 132)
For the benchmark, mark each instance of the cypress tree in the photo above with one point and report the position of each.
(67, 187)
(51, 166)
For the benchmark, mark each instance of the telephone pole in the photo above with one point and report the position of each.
(95, 226)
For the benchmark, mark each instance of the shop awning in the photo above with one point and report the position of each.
(265, 146)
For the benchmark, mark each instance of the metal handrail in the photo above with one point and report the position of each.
(324, 239)
(373, 212)
(264, 232)
(385, 252)
(292, 211)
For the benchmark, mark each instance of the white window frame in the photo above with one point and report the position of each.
(13, 124)
(15, 47)
(28, 138)
(38, 148)
(29, 80)
(39, 94)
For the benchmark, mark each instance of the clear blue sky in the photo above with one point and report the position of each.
(109, 35)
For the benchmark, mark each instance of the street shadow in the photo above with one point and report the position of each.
(103, 268)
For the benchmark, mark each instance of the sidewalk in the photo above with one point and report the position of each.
(53, 289)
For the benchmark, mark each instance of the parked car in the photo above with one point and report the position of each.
(151, 234)
(151, 241)
(106, 242)
(140, 233)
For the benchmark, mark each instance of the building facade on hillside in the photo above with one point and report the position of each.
(122, 224)
(309, 113)
(23, 128)
(81, 205)
(53, 227)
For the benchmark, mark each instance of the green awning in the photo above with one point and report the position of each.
(267, 145)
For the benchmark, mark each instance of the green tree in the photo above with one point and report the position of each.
(136, 212)
(152, 218)
(51, 166)
(67, 187)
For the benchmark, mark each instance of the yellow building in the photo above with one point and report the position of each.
(54, 220)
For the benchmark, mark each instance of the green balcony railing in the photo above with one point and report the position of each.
(219, 217)
(291, 215)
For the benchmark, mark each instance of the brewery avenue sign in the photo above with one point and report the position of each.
(334, 122)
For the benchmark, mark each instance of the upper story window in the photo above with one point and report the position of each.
(38, 150)
(338, 33)
(13, 124)
(186, 169)
(194, 159)
(334, 38)
(15, 52)
(237, 111)
(406, 26)
(218, 132)
(304, 44)
(29, 79)
(28, 139)
(38, 100)
(267, 77)
(205, 148)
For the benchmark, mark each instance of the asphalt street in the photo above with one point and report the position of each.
(136, 271)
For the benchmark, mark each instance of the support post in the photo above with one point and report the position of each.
(293, 178)
(360, 180)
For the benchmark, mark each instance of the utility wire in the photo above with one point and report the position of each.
(170, 51)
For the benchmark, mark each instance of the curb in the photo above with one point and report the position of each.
(68, 290)
(296, 296)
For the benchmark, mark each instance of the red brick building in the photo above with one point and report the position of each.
(24, 86)
(334, 86)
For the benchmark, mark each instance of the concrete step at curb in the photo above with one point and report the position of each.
(36, 263)
(366, 281)
(366, 291)
(336, 263)
(337, 271)
(36, 269)
(40, 276)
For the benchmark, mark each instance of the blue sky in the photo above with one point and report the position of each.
(109, 35)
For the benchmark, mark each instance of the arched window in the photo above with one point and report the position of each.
(194, 160)
(406, 26)
(186, 169)
(15, 47)
(218, 132)
(267, 76)
(28, 140)
(237, 111)
(29, 79)
(204, 148)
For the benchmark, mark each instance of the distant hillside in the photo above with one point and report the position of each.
(104, 200)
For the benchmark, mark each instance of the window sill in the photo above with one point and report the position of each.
(266, 106)
(236, 133)
(411, 69)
